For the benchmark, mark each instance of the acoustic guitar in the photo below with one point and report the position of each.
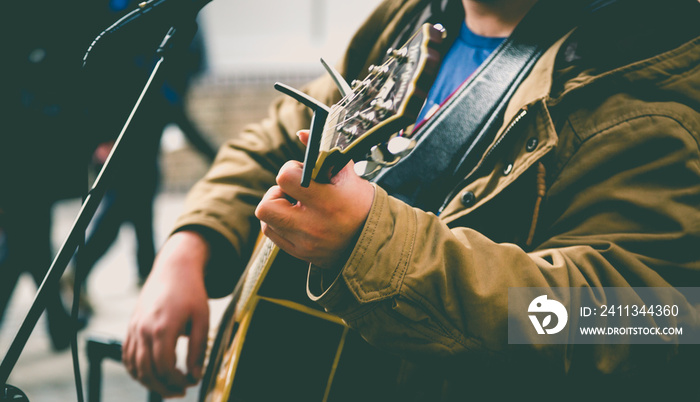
(273, 343)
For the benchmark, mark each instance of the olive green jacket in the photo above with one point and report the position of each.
(593, 181)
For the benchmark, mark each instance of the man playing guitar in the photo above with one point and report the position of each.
(593, 181)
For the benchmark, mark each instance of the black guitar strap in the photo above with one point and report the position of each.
(451, 142)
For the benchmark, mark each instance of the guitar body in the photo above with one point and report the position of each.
(273, 343)
(283, 348)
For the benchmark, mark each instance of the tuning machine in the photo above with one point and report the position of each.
(384, 155)
(382, 108)
(400, 146)
(377, 159)
(367, 169)
(378, 70)
(401, 55)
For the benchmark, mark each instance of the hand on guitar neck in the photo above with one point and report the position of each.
(319, 223)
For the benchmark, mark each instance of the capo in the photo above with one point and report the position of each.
(318, 121)
(340, 82)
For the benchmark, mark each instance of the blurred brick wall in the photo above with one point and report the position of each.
(220, 107)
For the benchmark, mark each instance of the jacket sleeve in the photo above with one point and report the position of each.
(221, 205)
(613, 217)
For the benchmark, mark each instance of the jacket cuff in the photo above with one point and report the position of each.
(204, 217)
(377, 264)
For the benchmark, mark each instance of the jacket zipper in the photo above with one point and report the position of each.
(462, 182)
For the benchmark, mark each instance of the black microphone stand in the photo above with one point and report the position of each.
(184, 33)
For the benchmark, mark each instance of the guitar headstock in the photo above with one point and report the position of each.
(385, 102)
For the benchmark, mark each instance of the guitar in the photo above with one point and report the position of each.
(273, 343)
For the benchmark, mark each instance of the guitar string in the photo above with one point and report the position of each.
(370, 85)
(350, 98)
(330, 137)
(373, 79)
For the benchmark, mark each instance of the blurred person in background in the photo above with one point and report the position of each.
(58, 119)
(117, 83)
(43, 140)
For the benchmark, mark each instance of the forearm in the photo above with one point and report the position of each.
(221, 205)
(451, 298)
(611, 218)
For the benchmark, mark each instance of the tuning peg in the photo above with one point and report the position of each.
(400, 146)
(379, 70)
(349, 131)
(359, 86)
(382, 156)
(340, 82)
(377, 155)
(366, 118)
(367, 169)
(400, 55)
(383, 108)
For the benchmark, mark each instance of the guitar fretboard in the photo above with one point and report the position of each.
(256, 270)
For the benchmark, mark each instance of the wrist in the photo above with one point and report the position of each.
(185, 253)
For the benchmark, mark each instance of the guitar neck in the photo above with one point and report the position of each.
(265, 254)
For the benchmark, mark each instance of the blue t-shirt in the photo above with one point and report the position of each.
(466, 54)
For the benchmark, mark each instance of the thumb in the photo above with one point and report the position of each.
(197, 346)
(346, 173)
(303, 136)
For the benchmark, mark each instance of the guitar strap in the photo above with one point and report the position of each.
(452, 141)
